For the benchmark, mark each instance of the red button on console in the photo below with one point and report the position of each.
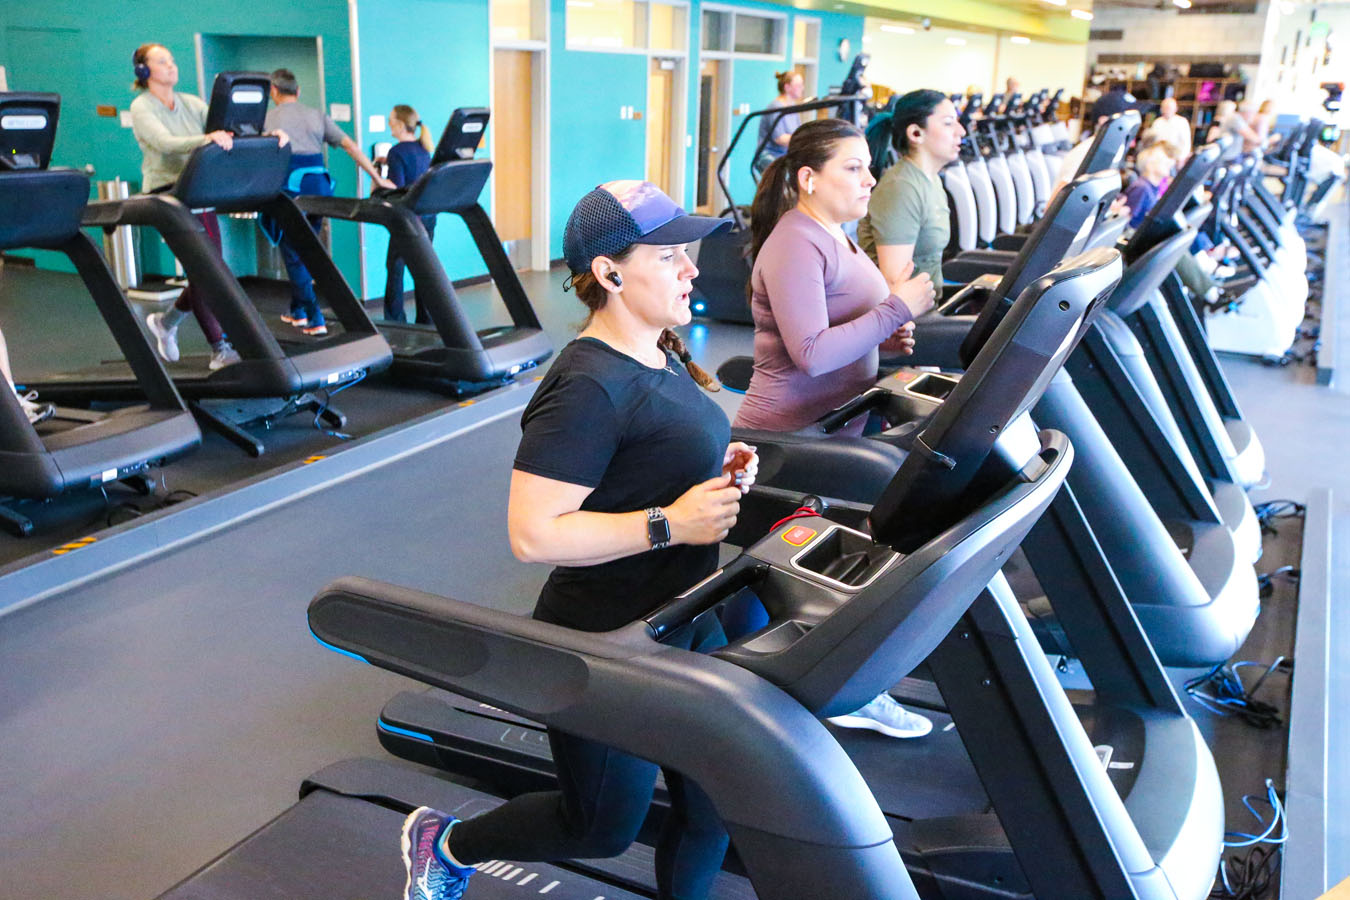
(798, 535)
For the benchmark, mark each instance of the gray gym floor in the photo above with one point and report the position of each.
(157, 715)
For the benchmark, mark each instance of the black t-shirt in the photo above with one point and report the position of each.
(640, 437)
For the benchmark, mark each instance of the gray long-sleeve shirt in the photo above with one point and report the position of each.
(821, 308)
(167, 136)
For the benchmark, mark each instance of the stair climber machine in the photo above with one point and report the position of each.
(1041, 177)
(74, 450)
(1024, 191)
(721, 290)
(989, 145)
(273, 378)
(1026, 795)
(449, 355)
(1049, 134)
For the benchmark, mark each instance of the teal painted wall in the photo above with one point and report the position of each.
(83, 48)
(434, 56)
(590, 144)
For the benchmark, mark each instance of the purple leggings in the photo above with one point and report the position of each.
(192, 300)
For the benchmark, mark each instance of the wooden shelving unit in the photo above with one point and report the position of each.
(1186, 91)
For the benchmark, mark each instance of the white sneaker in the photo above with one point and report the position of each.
(166, 336)
(35, 411)
(882, 714)
(224, 355)
(1222, 272)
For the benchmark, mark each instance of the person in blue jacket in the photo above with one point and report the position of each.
(408, 159)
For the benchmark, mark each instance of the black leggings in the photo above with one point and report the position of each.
(601, 803)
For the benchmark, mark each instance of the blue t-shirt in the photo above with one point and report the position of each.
(407, 161)
(1140, 197)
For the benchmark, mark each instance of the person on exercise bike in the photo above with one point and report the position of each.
(626, 480)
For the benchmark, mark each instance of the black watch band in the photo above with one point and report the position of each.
(658, 528)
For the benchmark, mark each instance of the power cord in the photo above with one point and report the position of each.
(1265, 582)
(1250, 876)
(1271, 510)
(328, 396)
(1221, 691)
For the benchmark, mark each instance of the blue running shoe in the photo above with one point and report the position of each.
(430, 875)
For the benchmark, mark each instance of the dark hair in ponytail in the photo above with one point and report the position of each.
(812, 146)
(913, 108)
(784, 79)
(594, 297)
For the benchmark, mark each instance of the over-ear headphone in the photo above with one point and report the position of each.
(616, 278)
(141, 69)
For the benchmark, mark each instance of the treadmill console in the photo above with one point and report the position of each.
(238, 103)
(27, 129)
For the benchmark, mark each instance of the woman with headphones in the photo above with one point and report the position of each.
(168, 126)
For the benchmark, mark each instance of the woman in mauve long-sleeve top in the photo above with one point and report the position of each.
(821, 307)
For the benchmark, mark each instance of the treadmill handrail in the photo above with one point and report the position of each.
(762, 739)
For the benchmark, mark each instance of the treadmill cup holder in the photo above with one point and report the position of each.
(846, 559)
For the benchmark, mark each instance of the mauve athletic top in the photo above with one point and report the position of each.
(821, 308)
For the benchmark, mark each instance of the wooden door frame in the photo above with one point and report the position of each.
(541, 115)
(678, 118)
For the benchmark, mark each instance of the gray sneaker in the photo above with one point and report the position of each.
(35, 410)
(882, 714)
(224, 355)
(166, 336)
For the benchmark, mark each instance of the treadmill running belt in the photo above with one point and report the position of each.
(340, 842)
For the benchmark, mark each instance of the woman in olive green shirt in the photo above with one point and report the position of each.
(907, 222)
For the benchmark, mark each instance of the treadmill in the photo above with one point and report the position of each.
(1197, 392)
(1185, 573)
(74, 449)
(1125, 804)
(803, 821)
(450, 355)
(274, 378)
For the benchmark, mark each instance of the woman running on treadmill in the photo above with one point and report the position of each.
(908, 223)
(168, 126)
(821, 309)
(626, 481)
(408, 159)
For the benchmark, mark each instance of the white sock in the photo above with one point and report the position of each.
(444, 846)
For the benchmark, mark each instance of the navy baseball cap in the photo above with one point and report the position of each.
(618, 214)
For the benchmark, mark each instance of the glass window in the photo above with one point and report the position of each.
(716, 30)
(513, 20)
(607, 24)
(668, 26)
(758, 34)
(805, 38)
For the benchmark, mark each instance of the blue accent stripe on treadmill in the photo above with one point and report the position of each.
(355, 656)
(394, 729)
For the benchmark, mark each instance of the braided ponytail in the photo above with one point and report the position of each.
(671, 341)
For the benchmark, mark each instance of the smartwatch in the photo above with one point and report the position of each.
(658, 528)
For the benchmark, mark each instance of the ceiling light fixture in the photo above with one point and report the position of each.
(1087, 16)
(1182, 4)
(1058, 2)
(1019, 39)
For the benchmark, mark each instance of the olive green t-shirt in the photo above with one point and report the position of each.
(908, 207)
